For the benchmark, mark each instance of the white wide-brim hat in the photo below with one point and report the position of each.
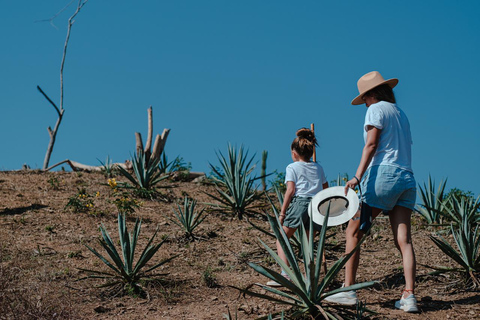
(342, 208)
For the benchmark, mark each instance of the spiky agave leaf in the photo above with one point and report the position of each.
(235, 178)
(306, 290)
(187, 218)
(147, 173)
(467, 240)
(462, 208)
(125, 270)
(433, 201)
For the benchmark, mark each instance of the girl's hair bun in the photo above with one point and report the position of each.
(305, 133)
(304, 144)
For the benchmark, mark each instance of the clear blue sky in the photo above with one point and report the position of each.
(245, 72)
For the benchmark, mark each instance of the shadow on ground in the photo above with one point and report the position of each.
(21, 210)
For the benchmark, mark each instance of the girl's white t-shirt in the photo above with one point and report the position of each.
(308, 177)
(395, 144)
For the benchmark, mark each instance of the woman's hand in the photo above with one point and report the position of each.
(351, 184)
(282, 218)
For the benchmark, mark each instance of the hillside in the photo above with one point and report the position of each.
(42, 249)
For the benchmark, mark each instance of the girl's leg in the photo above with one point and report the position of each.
(400, 220)
(289, 232)
(353, 235)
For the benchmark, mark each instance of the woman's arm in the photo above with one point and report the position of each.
(373, 136)
(287, 199)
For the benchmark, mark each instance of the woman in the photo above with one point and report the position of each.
(387, 182)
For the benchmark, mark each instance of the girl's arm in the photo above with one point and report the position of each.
(287, 199)
(373, 136)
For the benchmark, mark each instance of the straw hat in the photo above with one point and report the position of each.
(342, 208)
(368, 82)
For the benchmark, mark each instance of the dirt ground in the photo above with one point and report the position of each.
(42, 247)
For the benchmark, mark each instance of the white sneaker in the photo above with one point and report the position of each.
(273, 283)
(408, 304)
(348, 298)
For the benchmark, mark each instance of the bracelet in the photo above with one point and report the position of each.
(282, 215)
(358, 181)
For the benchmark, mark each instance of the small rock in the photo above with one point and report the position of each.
(213, 298)
(101, 309)
(200, 179)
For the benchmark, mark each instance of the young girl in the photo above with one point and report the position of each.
(304, 179)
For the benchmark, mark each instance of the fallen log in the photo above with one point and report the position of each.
(76, 166)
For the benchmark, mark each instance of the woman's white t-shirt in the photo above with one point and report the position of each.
(308, 177)
(395, 143)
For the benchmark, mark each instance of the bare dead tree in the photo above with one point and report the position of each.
(60, 110)
(159, 144)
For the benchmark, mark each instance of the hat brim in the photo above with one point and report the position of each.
(358, 99)
(338, 215)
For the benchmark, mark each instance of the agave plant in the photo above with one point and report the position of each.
(279, 194)
(467, 256)
(432, 201)
(108, 167)
(233, 181)
(294, 242)
(187, 218)
(146, 173)
(294, 239)
(163, 165)
(125, 274)
(458, 209)
(306, 290)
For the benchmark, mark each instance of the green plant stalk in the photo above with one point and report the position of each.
(264, 169)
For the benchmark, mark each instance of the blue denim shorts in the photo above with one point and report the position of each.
(385, 187)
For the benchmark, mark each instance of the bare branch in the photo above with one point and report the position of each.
(58, 13)
(60, 110)
(138, 142)
(49, 100)
(159, 145)
(80, 5)
(148, 146)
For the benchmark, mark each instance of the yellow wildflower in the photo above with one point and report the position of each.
(112, 183)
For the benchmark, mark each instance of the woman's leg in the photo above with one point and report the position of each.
(353, 235)
(289, 232)
(400, 220)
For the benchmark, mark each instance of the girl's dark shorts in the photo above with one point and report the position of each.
(297, 213)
